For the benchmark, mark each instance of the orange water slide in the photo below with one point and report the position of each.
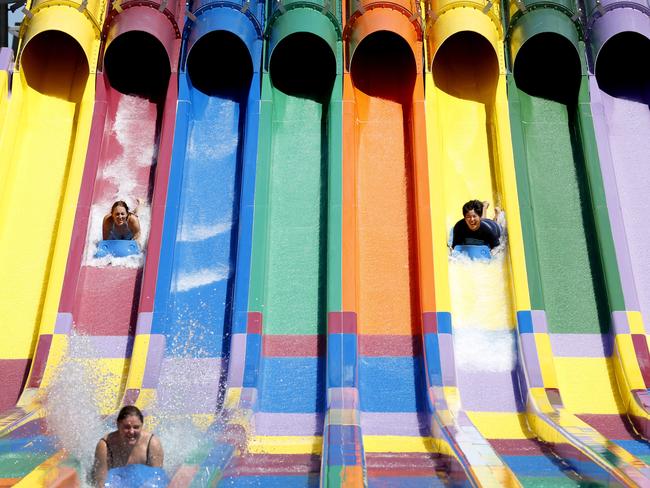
(387, 257)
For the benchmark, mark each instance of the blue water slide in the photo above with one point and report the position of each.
(204, 264)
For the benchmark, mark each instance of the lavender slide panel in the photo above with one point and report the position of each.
(105, 347)
(447, 362)
(289, 423)
(580, 345)
(399, 423)
(488, 391)
(531, 358)
(237, 360)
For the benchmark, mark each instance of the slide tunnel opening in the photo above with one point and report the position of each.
(383, 66)
(621, 67)
(466, 67)
(136, 63)
(548, 66)
(303, 65)
(54, 64)
(219, 64)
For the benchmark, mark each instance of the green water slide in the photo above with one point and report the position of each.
(295, 267)
(566, 230)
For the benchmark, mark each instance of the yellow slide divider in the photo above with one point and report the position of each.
(43, 147)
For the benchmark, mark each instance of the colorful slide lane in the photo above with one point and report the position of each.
(387, 269)
(202, 288)
(619, 100)
(320, 254)
(471, 157)
(52, 101)
(568, 346)
(128, 159)
(282, 397)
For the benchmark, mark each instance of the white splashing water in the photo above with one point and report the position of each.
(72, 404)
(202, 277)
(77, 394)
(482, 312)
(137, 153)
(194, 233)
(222, 143)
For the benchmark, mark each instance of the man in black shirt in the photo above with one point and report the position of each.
(473, 229)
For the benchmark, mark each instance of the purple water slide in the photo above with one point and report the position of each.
(619, 37)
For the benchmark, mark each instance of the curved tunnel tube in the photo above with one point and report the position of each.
(290, 272)
(618, 85)
(138, 18)
(549, 175)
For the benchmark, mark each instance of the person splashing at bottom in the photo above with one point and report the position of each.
(129, 444)
(475, 230)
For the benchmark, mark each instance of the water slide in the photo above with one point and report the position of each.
(572, 352)
(201, 300)
(52, 101)
(102, 298)
(280, 398)
(394, 397)
(619, 98)
(387, 268)
(478, 303)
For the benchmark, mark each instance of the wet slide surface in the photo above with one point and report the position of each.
(628, 119)
(200, 248)
(622, 84)
(572, 282)
(36, 164)
(564, 227)
(467, 85)
(292, 286)
(107, 294)
(393, 410)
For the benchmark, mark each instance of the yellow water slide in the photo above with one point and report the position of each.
(470, 157)
(43, 144)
